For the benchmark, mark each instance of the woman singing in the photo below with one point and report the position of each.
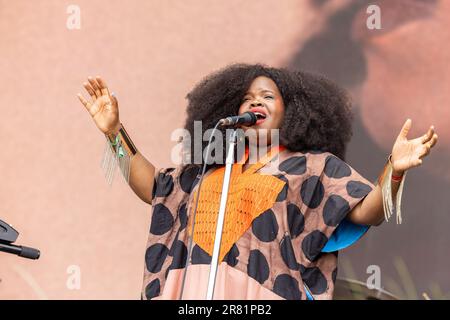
(288, 213)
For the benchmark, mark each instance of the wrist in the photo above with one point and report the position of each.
(112, 134)
(396, 174)
(121, 140)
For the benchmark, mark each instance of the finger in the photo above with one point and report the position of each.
(114, 99)
(427, 136)
(414, 162)
(95, 86)
(405, 129)
(85, 103)
(424, 151)
(102, 84)
(91, 91)
(427, 149)
(433, 140)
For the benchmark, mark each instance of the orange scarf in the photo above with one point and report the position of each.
(250, 194)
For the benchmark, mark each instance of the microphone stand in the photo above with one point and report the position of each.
(221, 217)
(8, 235)
(247, 118)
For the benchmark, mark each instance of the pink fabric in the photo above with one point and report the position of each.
(231, 284)
(280, 252)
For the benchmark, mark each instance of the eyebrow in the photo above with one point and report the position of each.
(265, 90)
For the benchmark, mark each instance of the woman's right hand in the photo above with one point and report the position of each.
(103, 107)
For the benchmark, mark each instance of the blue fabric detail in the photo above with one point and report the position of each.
(308, 294)
(344, 236)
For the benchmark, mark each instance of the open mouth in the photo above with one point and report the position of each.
(261, 114)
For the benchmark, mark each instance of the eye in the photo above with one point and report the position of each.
(268, 97)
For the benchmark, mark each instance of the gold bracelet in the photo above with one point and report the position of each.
(118, 153)
(123, 139)
(126, 141)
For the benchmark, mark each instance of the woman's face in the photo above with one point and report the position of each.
(265, 100)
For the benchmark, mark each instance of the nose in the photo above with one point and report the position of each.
(255, 104)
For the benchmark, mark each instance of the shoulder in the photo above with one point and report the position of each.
(314, 161)
(170, 180)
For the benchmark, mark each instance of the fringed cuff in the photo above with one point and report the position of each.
(118, 152)
(386, 187)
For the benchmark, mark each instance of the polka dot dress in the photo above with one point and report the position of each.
(282, 249)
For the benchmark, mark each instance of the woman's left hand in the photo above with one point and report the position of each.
(409, 153)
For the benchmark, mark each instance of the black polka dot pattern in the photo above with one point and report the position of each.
(155, 257)
(283, 193)
(287, 253)
(172, 248)
(265, 226)
(313, 243)
(312, 192)
(164, 185)
(358, 189)
(287, 287)
(294, 165)
(257, 267)
(162, 220)
(179, 255)
(155, 183)
(314, 279)
(199, 256)
(302, 269)
(182, 215)
(232, 256)
(296, 220)
(152, 289)
(336, 168)
(276, 234)
(335, 209)
(188, 179)
(334, 275)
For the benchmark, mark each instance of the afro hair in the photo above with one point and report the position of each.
(317, 116)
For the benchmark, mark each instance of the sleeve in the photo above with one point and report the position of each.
(168, 181)
(163, 184)
(344, 188)
(167, 205)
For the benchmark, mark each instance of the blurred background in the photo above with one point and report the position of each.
(151, 53)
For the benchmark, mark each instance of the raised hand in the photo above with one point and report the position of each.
(409, 153)
(103, 106)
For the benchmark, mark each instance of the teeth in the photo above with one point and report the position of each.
(260, 115)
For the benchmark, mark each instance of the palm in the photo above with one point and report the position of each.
(409, 153)
(104, 113)
(103, 107)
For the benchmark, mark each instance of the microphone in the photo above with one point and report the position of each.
(246, 119)
(21, 251)
(8, 235)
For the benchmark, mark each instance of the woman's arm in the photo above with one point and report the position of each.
(370, 210)
(104, 110)
(142, 174)
(406, 154)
